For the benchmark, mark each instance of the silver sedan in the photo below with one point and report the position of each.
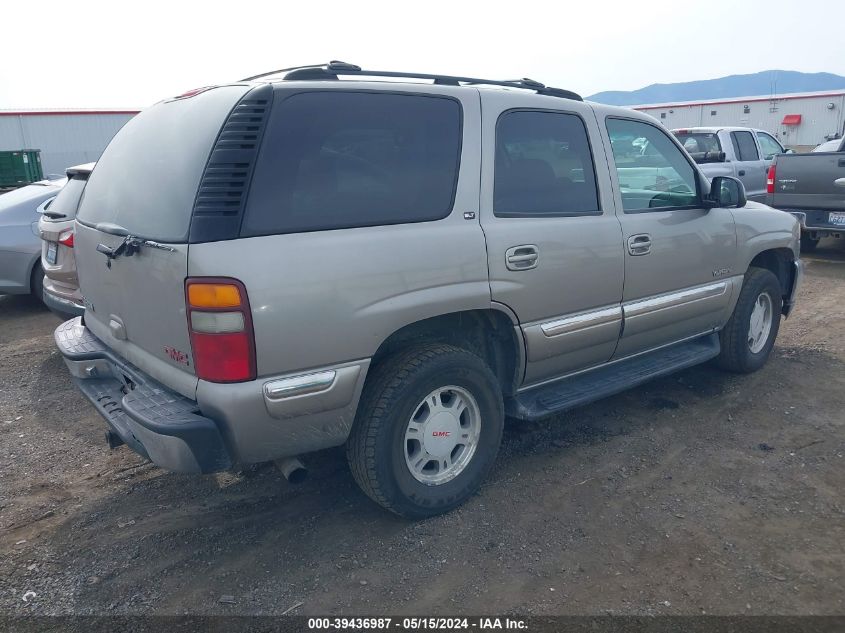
(20, 245)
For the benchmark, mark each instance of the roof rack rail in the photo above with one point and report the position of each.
(335, 68)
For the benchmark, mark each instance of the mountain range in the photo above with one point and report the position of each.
(766, 82)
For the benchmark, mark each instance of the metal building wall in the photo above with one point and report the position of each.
(818, 120)
(65, 139)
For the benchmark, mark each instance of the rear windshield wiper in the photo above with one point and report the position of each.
(53, 215)
(129, 246)
(113, 229)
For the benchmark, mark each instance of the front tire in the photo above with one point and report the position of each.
(750, 333)
(427, 431)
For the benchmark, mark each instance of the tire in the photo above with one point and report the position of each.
(36, 282)
(396, 394)
(742, 353)
(808, 243)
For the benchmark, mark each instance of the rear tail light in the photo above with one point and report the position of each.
(222, 338)
(66, 238)
(770, 179)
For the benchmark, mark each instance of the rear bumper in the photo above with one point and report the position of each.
(64, 304)
(154, 421)
(227, 424)
(816, 221)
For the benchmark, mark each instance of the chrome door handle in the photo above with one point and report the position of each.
(523, 257)
(639, 244)
(839, 182)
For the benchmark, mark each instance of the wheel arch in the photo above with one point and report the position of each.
(492, 334)
(780, 262)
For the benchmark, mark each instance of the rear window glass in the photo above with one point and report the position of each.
(543, 166)
(68, 199)
(699, 142)
(147, 178)
(333, 160)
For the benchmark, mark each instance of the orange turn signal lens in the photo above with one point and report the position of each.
(202, 295)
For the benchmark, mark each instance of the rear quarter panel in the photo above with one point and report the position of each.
(332, 296)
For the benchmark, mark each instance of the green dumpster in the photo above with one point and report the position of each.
(20, 167)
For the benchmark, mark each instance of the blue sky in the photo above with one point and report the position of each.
(114, 54)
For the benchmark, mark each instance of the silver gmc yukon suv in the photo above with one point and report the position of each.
(323, 256)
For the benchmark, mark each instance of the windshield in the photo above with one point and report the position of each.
(67, 201)
(147, 179)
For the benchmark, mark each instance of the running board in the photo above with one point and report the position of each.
(607, 380)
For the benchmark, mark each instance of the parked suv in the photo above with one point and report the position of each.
(316, 258)
(61, 287)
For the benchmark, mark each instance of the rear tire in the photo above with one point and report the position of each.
(809, 243)
(36, 282)
(750, 333)
(450, 400)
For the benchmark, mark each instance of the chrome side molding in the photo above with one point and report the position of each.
(673, 299)
(576, 322)
(315, 392)
(299, 385)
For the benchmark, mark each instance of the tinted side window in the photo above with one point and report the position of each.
(769, 145)
(744, 146)
(334, 160)
(543, 166)
(653, 172)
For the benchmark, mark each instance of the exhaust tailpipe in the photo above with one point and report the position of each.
(292, 469)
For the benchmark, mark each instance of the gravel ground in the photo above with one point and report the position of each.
(698, 493)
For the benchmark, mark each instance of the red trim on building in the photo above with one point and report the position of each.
(62, 112)
(692, 104)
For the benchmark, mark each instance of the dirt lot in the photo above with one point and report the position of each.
(702, 492)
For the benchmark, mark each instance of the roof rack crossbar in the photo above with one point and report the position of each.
(334, 68)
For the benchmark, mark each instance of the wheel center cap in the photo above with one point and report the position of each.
(441, 434)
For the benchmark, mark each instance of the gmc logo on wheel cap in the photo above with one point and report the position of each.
(440, 434)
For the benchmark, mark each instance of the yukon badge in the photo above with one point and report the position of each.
(721, 272)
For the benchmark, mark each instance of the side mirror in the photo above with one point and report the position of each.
(726, 191)
(789, 151)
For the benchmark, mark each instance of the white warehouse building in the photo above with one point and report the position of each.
(800, 121)
(65, 137)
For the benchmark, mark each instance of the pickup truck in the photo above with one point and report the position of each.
(741, 152)
(812, 188)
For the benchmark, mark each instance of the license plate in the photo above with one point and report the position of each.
(52, 252)
(837, 219)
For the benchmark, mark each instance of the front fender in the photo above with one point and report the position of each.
(761, 228)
